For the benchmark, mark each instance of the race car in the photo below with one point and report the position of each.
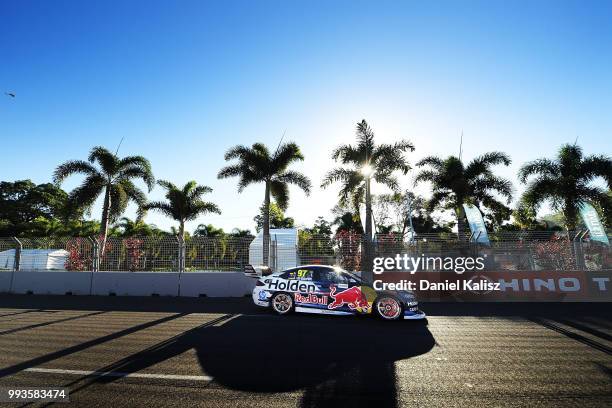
(326, 289)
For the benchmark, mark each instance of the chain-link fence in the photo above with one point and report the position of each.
(521, 250)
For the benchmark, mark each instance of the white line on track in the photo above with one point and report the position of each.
(120, 374)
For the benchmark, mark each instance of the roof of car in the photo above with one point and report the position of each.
(312, 266)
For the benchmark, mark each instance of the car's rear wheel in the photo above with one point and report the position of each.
(388, 308)
(282, 303)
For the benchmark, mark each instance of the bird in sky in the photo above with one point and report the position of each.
(11, 94)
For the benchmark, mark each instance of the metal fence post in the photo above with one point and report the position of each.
(181, 261)
(579, 249)
(94, 262)
(273, 253)
(16, 262)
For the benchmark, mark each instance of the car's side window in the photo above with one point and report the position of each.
(352, 281)
(339, 278)
(320, 276)
(329, 276)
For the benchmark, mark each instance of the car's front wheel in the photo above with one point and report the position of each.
(388, 308)
(282, 303)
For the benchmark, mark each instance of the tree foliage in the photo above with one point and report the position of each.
(567, 181)
(384, 159)
(183, 204)
(454, 184)
(277, 218)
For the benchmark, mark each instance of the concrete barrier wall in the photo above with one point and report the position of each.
(52, 283)
(5, 281)
(193, 284)
(135, 283)
(216, 284)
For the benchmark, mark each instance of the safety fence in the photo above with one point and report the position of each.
(521, 251)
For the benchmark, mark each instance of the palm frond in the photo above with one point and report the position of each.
(388, 158)
(73, 167)
(168, 186)
(107, 160)
(134, 193)
(236, 152)
(541, 189)
(231, 171)
(340, 174)
(188, 187)
(134, 171)
(86, 194)
(161, 207)
(199, 208)
(426, 176)
(295, 178)
(119, 202)
(285, 155)
(482, 164)
(439, 199)
(198, 191)
(280, 192)
(387, 179)
(488, 183)
(543, 167)
(348, 154)
(597, 166)
(432, 161)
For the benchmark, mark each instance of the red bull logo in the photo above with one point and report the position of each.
(353, 297)
(311, 298)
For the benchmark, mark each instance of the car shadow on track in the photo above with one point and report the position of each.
(336, 360)
(333, 360)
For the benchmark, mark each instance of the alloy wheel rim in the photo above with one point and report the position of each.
(282, 303)
(388, 308)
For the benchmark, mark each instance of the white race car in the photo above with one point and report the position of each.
(330, 290)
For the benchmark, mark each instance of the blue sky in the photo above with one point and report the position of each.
(184, 81)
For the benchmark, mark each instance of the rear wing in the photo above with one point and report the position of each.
(257, 271)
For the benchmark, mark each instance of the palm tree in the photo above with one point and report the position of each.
(566, 182)
(454, 184)
(257, 165)
(208, 230)
(365, 161)
(132, 228)
(113, 177)
(241, 233)
(184, 204)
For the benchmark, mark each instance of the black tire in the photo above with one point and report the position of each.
(388, 308)
(282, 303)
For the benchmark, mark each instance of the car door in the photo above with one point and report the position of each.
(308, 293)
(326, 278)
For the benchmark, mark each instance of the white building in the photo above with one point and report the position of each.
(35, 259)
(283, 249)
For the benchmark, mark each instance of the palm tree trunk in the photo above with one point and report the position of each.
(266, 226)
(181, 240)
(181, 233)
(462, 228)
(366, 267)
(105, 219)
(368, 220)
(570, 213)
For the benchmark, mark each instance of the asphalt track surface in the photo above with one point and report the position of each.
(126, 352)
